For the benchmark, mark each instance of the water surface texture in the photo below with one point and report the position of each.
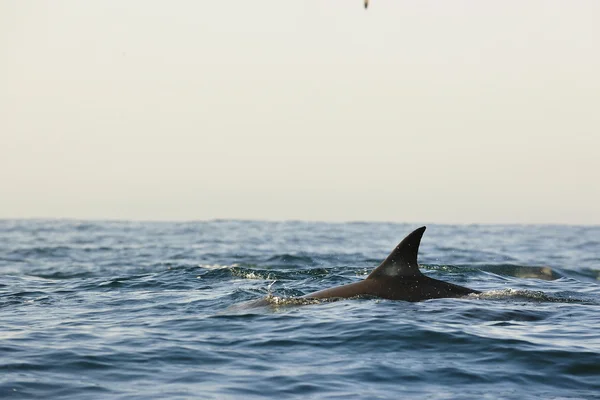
(127, 310)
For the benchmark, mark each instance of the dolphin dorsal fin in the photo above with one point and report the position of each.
(403, 260)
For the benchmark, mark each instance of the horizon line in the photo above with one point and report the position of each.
(290, 220)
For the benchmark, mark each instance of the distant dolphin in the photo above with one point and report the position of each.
(397, 278)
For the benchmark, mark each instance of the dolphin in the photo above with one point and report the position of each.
(397, 278)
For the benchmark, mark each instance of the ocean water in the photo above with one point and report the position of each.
(131, 310)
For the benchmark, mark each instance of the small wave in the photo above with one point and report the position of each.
(119, 281)
(273, 301)
(502, 294)
(12, 260)
(251, 274)
(527, 295)
(60, 275)
(449, 268)
(217, 266)
(590, 244)
(268, 273)
(587, 274)
(516, 271)
(290, 301)
(20, 298)
(290, 260)
(41, 252)
(525, 272)
(240, 272)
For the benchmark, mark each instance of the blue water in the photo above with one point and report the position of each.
(108, 310)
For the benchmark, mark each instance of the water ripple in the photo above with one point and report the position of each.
(117, 309)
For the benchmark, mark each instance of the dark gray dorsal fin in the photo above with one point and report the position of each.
(403, 260)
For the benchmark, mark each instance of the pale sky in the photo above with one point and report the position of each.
(441, 111)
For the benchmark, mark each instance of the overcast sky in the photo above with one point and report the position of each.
(442, 111)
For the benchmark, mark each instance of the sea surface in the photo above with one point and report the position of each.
(135, 310)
